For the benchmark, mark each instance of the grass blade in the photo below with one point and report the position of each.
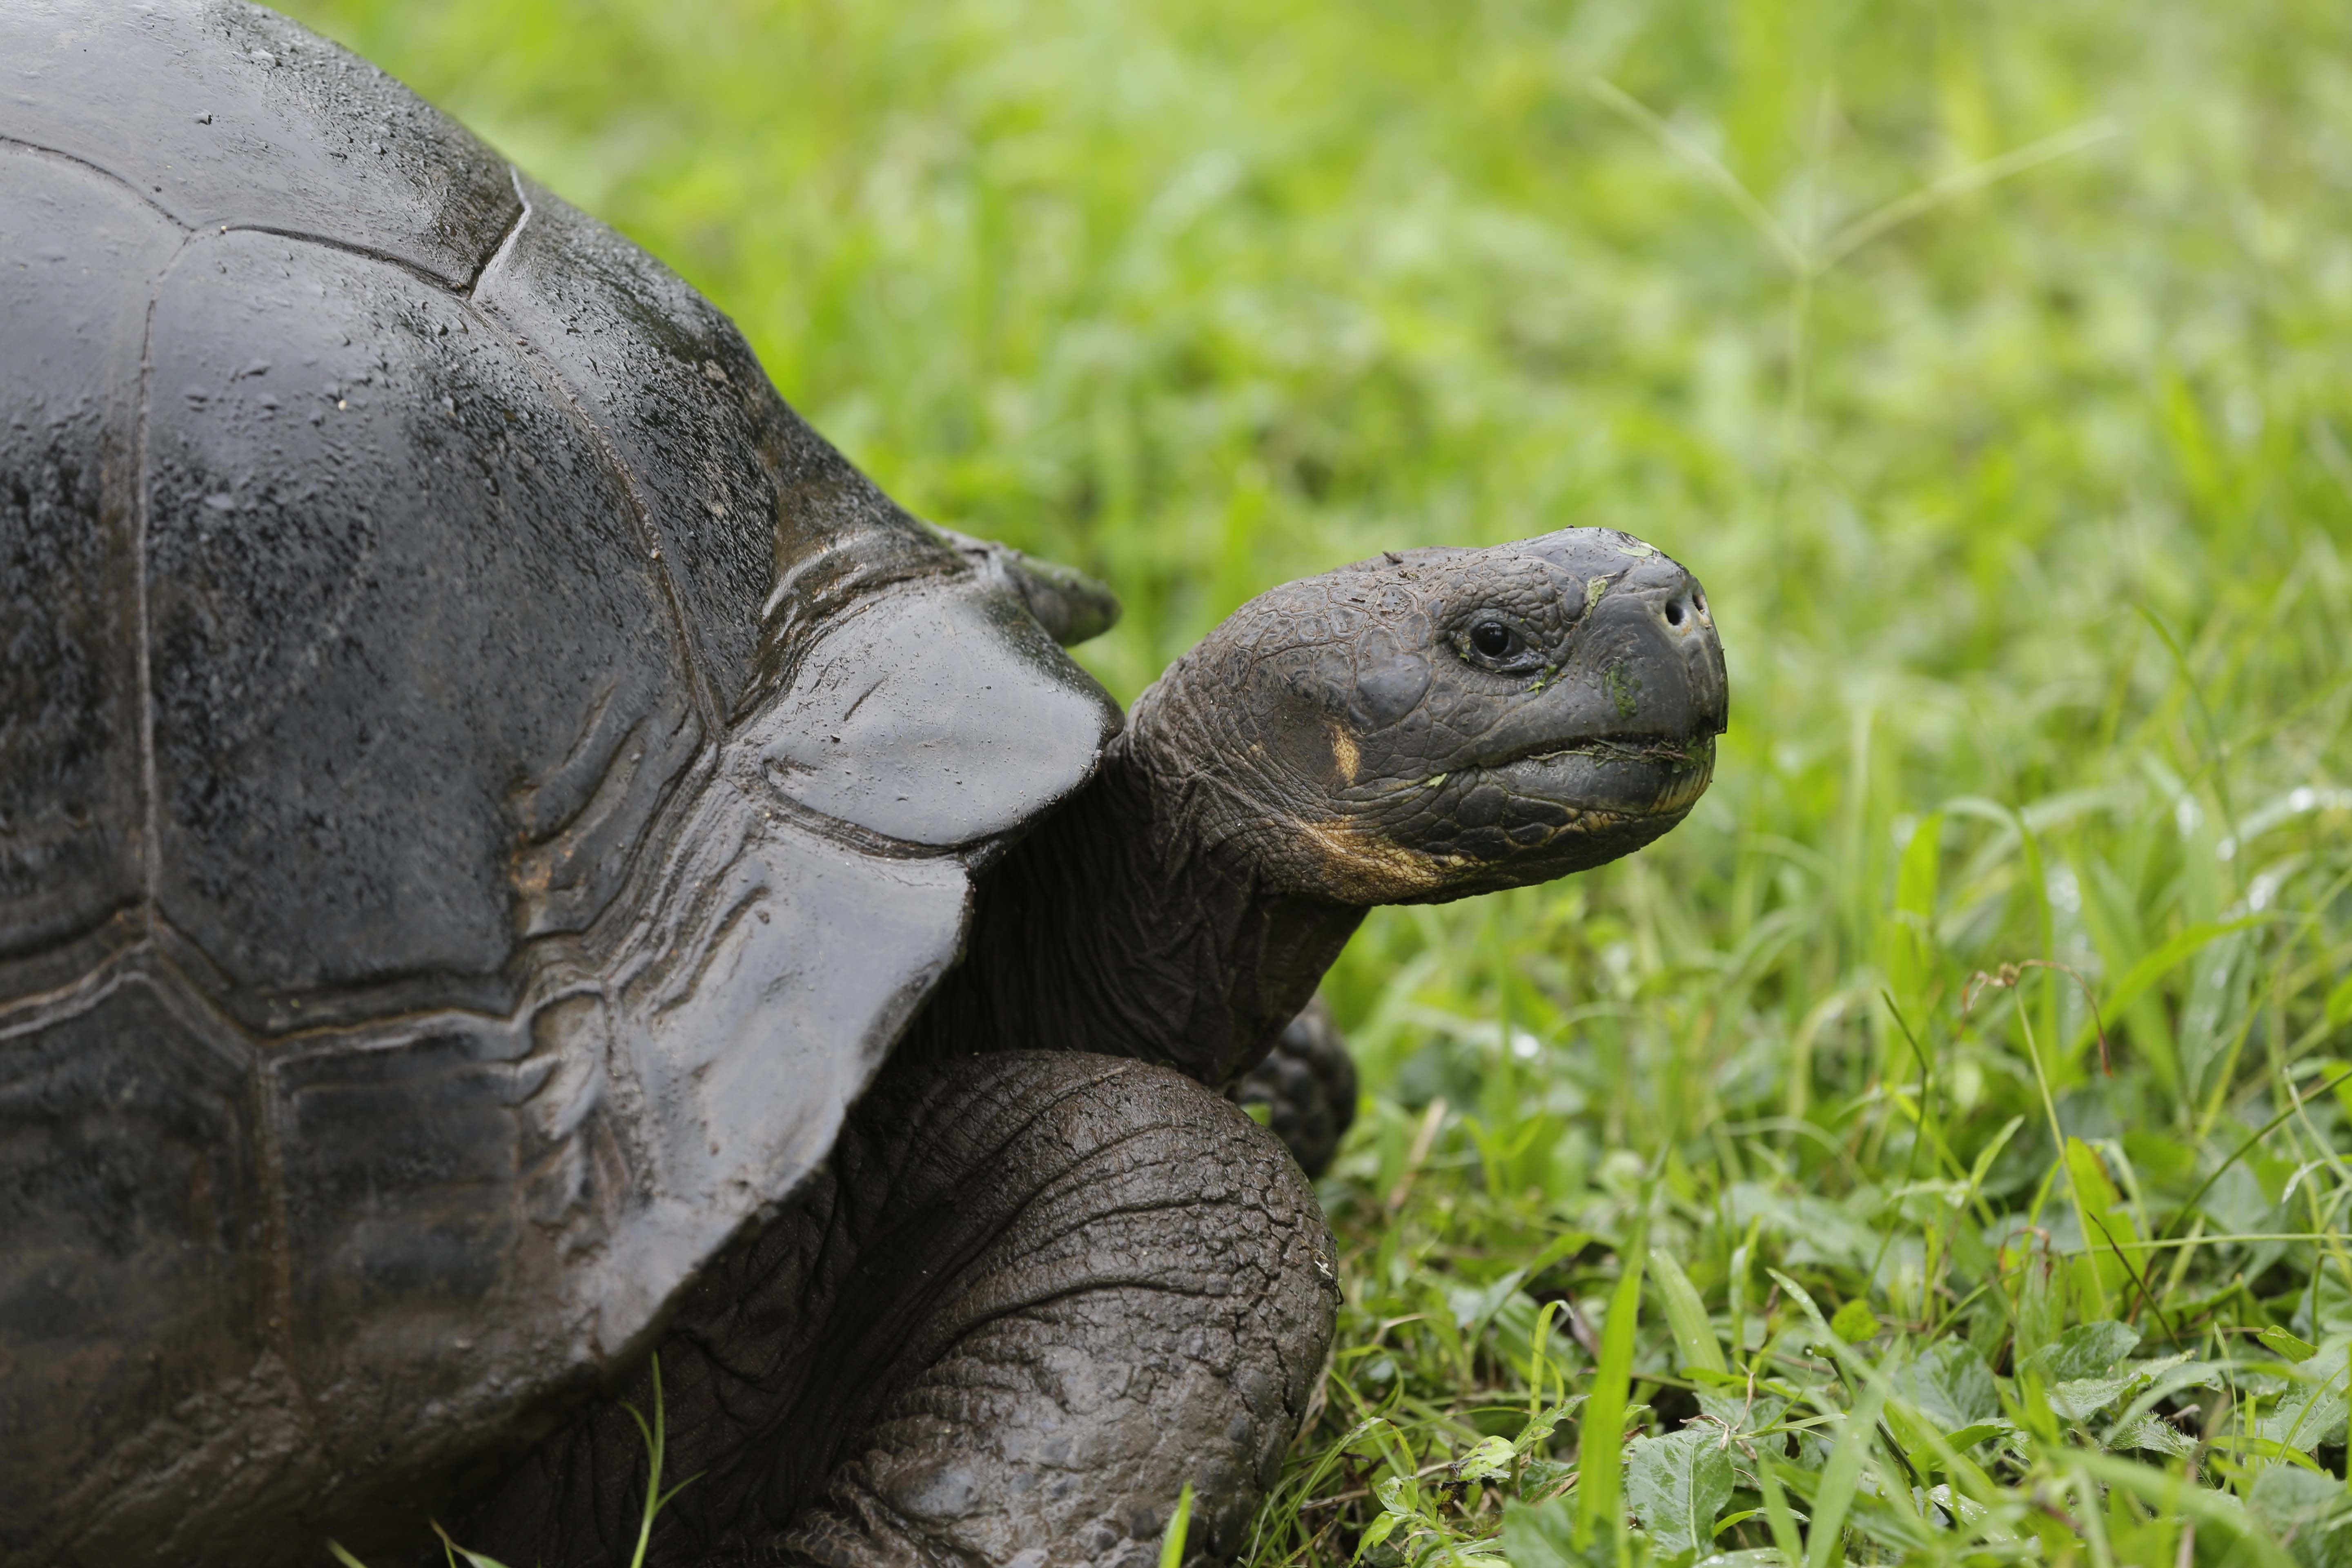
(1841, 1478)
(1179, 1523)
(1601, 1440)
(1686, 1315)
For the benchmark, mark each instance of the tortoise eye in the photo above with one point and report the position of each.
(1495, 639)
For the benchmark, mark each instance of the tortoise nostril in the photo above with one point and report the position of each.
(1673, 612)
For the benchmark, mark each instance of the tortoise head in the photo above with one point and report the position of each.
(1427, 725)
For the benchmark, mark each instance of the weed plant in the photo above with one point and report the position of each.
(1934, 1151)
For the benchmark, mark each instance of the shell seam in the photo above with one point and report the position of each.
(150, 792)
(415, 270)
(103, 173)
(690, 648)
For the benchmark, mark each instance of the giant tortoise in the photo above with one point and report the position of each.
(515, 856)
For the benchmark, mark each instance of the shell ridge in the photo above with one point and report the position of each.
(504, 248)
(25, 1015)
(798, 614)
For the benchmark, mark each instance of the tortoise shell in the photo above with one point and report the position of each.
(482, 785)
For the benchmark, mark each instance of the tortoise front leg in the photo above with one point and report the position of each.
(1307, 1085)
(1031, 1295)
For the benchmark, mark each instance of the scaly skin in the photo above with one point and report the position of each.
(1043, 1282)
(1010, 1313)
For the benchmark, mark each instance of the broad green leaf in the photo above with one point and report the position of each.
(1489, 1460)
(1968, 1511)
(1543, 1536)
(1675, 1485)
(2080, 1398)
(2314, 1412)
(1376, 1532)
(1540, 1476)
(2152, 1433)
(1949, 1384)
(1968, 1436)
(1743, 1407)
(2286, 1344)
(2086, 1349)
(2170, 1376)
(1472, 1305)
(1817, 1230)
(2310, 1515)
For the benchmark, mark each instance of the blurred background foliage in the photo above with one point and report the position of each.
(1986, 359)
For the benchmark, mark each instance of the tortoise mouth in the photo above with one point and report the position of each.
(1671, 750)
(1551, 811)
(1620, 776)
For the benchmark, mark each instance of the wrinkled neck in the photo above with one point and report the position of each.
(1118, 926)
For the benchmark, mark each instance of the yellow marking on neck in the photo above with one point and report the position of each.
(1344, 753)
(1363, 866)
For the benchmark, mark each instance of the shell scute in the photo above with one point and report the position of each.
(134, 1207)
(76, 255)
(690, 416)
(370, 620)
(218, 112)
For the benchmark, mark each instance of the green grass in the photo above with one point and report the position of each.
(1959, 1070)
